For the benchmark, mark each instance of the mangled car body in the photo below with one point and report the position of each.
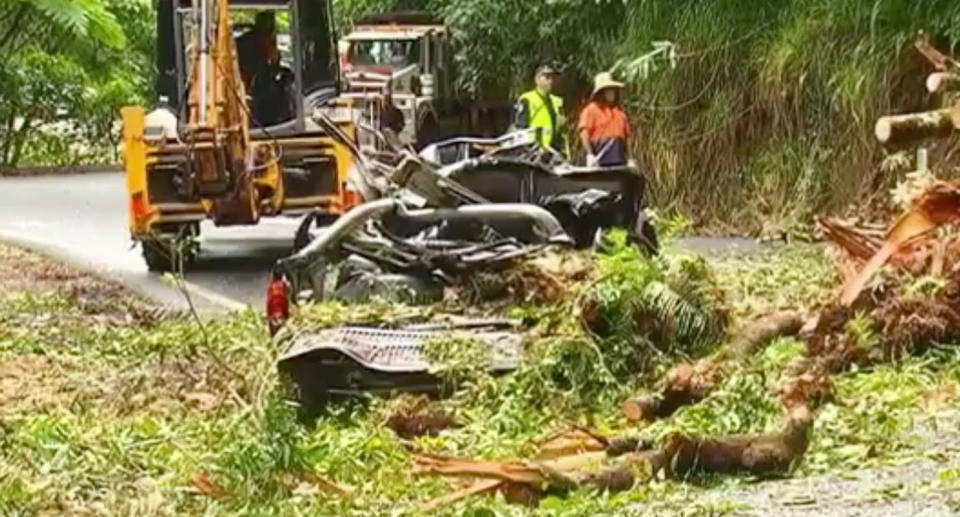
(433, 221)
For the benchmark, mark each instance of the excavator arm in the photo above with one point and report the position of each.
(231, 174)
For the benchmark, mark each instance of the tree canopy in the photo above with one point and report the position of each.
(69, 65)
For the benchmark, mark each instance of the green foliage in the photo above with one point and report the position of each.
(43, 88)
(82, 22)
(71, 65)
(650, 306)
(861, 331)
(670, 227)
(743, 403)
(870, 421)
(781, 352)
(456, 359)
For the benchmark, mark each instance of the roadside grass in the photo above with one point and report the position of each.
(156, 416)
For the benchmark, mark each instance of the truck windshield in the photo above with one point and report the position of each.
(392, 53)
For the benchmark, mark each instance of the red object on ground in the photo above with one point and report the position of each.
(278, 303)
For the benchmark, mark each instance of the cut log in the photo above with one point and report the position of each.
(613, 479)
(942, 81)
(685, 384)
(906, 128)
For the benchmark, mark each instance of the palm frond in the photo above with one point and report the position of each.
(692, 325)
(68, 15)
(77, 20)
(102, 25)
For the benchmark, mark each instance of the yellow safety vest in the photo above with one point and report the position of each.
(538, 118)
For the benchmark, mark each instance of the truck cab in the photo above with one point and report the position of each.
(404, 61)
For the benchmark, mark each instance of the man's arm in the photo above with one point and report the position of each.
(585, 126)
(585, 141)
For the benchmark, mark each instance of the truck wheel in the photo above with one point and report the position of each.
(157, 255)
(165, 254)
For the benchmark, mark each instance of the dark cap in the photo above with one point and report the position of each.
(546, 70)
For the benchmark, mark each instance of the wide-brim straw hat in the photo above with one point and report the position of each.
(604, 80)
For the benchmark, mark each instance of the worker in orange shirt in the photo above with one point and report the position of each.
(604, 128)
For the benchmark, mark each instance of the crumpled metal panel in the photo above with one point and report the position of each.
(401, 350)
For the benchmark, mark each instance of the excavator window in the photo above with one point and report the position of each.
(285, 53)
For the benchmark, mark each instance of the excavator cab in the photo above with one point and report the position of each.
(280, 67)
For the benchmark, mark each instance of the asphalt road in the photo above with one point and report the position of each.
(82, 219)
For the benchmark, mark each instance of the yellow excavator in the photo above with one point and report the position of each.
(231, 138)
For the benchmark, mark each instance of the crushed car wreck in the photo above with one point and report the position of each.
(434, 220)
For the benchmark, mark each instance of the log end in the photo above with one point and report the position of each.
(942, 81)
(639, 409)
(883, 129)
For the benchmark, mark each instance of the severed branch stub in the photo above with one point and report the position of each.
(942, 81)
(910, 127)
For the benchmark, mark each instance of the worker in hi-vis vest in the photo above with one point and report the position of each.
(542, 112)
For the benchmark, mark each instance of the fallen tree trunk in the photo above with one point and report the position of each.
(762, 454)
(902, 129)
(688, 384)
